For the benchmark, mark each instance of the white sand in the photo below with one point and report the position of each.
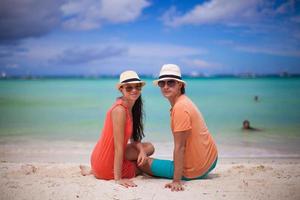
(53, 172)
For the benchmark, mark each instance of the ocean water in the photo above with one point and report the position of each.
(74, 110)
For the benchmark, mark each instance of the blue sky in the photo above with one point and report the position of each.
(106, 37)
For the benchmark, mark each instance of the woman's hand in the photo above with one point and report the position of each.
(142, 158)
(175, 186)
(126, 183)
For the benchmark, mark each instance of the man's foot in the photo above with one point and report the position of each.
(85, 170)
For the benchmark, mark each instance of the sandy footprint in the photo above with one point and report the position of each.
(28, 169)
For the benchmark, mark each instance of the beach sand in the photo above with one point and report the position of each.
(40, 171)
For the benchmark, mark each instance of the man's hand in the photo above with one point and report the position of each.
(175, 186)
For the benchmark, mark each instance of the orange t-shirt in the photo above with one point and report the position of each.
(200, 150)
(102, 158)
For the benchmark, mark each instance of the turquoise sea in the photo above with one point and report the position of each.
(74, 110)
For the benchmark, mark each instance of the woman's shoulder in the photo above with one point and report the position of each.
(118, 103)
(118, 111)
(118, 108)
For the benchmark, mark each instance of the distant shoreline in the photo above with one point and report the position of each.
(238, 76)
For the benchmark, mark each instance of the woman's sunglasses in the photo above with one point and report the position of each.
(129, 88)
(170, 83)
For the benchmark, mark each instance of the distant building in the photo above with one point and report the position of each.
(247, 75)
(284, 74)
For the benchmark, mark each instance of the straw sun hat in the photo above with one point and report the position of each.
(129, 77)
(169, 71)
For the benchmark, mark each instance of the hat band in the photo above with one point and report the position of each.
(131, 79)
(169, 76)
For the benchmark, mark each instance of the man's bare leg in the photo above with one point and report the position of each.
(147, 167)
(132, 153)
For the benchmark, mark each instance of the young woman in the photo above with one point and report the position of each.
(113, 157)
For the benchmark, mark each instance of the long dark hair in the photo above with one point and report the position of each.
(137, 116)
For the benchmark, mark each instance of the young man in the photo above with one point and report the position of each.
(195, 153)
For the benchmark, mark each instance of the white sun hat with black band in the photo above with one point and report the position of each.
(169, 71)
(129, 77)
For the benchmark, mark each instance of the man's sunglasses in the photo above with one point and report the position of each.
(129, 88)
(170, 83)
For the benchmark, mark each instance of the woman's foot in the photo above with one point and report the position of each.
(85, 170)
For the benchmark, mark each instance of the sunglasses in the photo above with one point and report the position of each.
(129, 88)
(170, 83)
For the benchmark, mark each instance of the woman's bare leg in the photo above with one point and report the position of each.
(85, 170)
(131, 154)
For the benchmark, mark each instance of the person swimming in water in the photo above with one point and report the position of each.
(246, 126)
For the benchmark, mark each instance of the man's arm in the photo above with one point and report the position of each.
(178, 154)
(180, 139)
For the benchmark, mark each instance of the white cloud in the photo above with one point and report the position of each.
(285, 7)
(79, 56)
(296, 19)
(122, 10)
(91, 14)
(12, 65)
(111, 53)
(233, 12)
(215, 11)
(162, 50)
(278, 51)
(21, 19)
(199, 63)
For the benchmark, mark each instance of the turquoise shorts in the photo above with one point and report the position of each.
(165, 169)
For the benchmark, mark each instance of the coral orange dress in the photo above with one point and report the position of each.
(102, 158)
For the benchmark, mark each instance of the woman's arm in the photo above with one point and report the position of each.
(142, 156)
(118, 121)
